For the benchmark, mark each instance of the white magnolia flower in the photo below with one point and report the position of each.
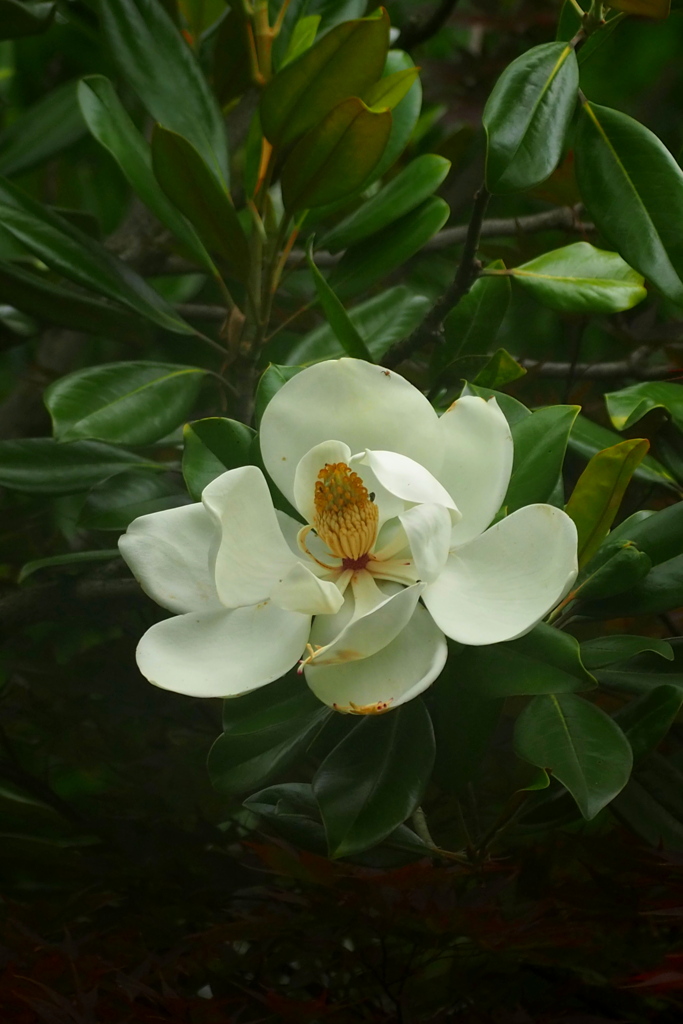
(395, 552)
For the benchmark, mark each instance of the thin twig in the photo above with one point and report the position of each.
(462, 282)
(600, 371)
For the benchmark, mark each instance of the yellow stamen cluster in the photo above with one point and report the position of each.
(345, 517)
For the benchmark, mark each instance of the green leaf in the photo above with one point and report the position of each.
(610, 650)
(195, 191)
(302, 38)
(231, 71)
(581, 745)
(212, 446)
(272, 379)
(375, 778)
(66, 307)
(629, 405)
(644, 672)
(338, 318)
(588, 438)
(72, 253)
(647, 719)
(418, 180)
(164, 72)
(404, 117)
(660, 591)
(465, 718)
(41, 465)
(472, 325)
(27, 18)
(45, 129)
(581, 279)
(659, 535)
(658, 9)
(383, 320)
(343, 63)
(651, 803)
(621, 569)
(546, 660)
(599, 492)
(527, 117)
(365, 263)
(114, 503)
(70, 559)
(633, 189)
(391, 89)
(333, 159)
(501, 369)
(540, 442)
(111, 125)
(263, 733)
(123, 403)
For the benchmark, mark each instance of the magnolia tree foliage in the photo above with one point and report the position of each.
(369, 547)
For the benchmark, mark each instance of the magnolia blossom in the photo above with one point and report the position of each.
(391, 556)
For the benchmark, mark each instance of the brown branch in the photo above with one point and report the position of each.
(600, 371)
(417, 32)
(462, 282)
(192, 311)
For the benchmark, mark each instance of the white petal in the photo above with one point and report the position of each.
(351, 401)
(369, 632)
(302, 591)
(396, 674)
(253, 555)
(477, 446)
(222, 654)
(169, 555)
(428, 528)
(307, 473)
(405, 478)
(502, 583)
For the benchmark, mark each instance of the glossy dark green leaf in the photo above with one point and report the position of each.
(69, 560)
(647, 719)
(658, 9)
(569, 24)
(41, 465)
(610, 650)
(110, 123)
(404, 117)
(499, 370)
(66, 307)
(231, 69)
(72, 253)
(193, 188)
(599, 492)
(123, 403)
(25, 17)
(365, 263)
(164, 72)
(375, 778)
(333, 160)
(343, 63)
(629, 405)
(581, 279)
(465, 718)
(114, 503)
(512, 409)
(660, 591)
(382, 320)
(582, 746)
(622, 568)
(271, 380)
(633, 189)
(546, 660)
(644, 672)
(302, 38)
(659, 535)
(588, 438)
(263, 733)
(651, 803)
(339, 320)
(45, 129)
(418, 180)
(388, 92)
(527, 117)
(540, 442)
(211, 446)
(472, 325)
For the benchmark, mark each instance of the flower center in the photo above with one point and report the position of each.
(345, 515)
